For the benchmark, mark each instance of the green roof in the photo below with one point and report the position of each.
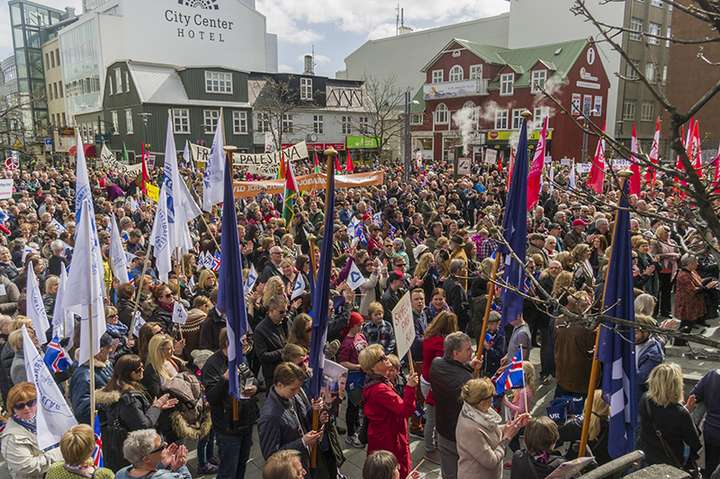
(559, 57)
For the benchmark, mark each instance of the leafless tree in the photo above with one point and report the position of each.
(384, 102)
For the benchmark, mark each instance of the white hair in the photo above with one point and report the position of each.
(139, 444)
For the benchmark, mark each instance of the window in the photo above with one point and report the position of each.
(587, 105)
(57, 57)
(318, 124)
(506, 84)
(476, 72)
(457, 73)
(129, 121)
(49, 93)
(597, 106)
(539, 115)
(60, 88)
(669, 36)
(262, 122)
(111, 90)
(575, 103)
(210, 121)
(127, 81)
(364, 124)
(306, 89)
(654, 29)
(516, 119)
(52, 60)
(664, 73)
(538, 81)
(650, 72)
(636, 25)
(181, 121)
(437, 76)
(240, 123)
(64, 119)
(501, 119)
(647, 112)
(287, 123)
(629, 110)
(55, 91)
(218, 82)
(416, 119)
(441, 114)
(630, 72)
(118, 80)
(115, 123)
(47, 61)
(346, 125)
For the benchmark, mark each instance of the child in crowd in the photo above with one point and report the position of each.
(538, 459)
(494, 346)
(377, 330)
(519, 401)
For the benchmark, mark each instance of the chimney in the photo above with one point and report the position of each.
(309, 70)
(70, 12)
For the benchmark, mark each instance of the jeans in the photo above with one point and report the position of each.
(448, 458)
(429, 419)
(352, 418)
(205, 448)
(234, 454)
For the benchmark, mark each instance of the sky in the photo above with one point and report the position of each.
(335, 28)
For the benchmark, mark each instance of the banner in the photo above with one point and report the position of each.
(6, 188)
(109, 161)
(266, 164)
(248, 189)
(404, 325)
(153, 192)
(491, 156)
(199, 153)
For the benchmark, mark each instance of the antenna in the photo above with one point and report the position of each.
(312, 53)
(397, 19)
(402, 18)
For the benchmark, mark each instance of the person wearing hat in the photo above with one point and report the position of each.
(348, 356)
(457, 248)
(537, 246)
(576, 235)
(80, 380)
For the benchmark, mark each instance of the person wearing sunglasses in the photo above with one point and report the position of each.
(153, 458)
(19, 445)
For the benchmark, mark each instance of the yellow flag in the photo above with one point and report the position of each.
(153, 192)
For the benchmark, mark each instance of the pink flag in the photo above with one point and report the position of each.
(511, 165)
(716, 178)
(634, 166)
(536, 167)
(597, 170)
(696, 157)
(651, 174)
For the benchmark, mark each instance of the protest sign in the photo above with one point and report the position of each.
(266, 164)
(404, 325)
(6, 188)
(248, 189)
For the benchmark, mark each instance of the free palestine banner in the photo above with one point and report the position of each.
(248, 189)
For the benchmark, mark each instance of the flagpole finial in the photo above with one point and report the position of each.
(330, 152)
(527, 114)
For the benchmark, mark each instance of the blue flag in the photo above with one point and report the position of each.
(515, 232)
(321, 293)
(616, 350)
(231, 293)
(55, 357)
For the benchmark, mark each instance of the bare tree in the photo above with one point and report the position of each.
(384, 102)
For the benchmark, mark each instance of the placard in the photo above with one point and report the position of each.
(6, 188)
(248, 189)
(404, 325)
(490, 156)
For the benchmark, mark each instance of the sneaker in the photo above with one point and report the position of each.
(353, 441)
(432, 456)
(208, 469)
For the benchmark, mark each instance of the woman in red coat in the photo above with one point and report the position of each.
(386, 412)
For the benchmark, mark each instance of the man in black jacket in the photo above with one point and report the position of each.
(447, 377)
(271, 336)
(455, 292)
(233, 436)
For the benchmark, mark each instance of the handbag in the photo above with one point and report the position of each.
(690, 467)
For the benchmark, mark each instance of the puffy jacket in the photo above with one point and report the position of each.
(80, 388)
(447, 378)
(23, 458)
(649, 357)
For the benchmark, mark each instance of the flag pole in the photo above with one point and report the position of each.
(488, 307)
(139, 285)
(92, 344)
(595, 370)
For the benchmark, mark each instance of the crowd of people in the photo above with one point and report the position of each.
(163, 386)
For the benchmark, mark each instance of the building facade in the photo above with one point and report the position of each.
(63, 138)
(474, 95)
(138, 98)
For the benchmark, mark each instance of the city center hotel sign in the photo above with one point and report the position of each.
(201, 23)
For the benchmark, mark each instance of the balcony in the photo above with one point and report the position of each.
(455, 89)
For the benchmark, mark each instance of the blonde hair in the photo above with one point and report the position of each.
(645, 320)
(665, 384)
(529, 373)
(155, 356)
(15, 339)
(204, 276)
(645, 304)
(375, 307)
(600, 409)
(563, 281)
(274, 287)
(476, 391)
(77, 444)
(394, 360)
(51, 281)
(370, 356)
(21, 321)
(423, 264)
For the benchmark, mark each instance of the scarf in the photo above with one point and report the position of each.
(30, 425)
(486, 420)
(83, 470)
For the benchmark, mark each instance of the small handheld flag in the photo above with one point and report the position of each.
(55, 357)
(512, 377)
(355, 278)
(298, 287)
(97, 456)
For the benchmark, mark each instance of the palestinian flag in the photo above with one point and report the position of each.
(316, 162)
(290, 195)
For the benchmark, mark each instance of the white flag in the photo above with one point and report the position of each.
(173, 192)
(35, 306)
(188, 203)
(160, 239)
(552, 179)
(54, 416)
(187, 156)
(179, 316)
(85, 286)
(251, 279)
(298, 287)
(572, 184)
(118, 258)
(139, 322)
(82, 182)
(63, 321)
(355, 278)
(214, 170)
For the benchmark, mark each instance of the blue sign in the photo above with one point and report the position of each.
(48, 141)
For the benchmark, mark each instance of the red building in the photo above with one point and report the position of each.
(498, 84)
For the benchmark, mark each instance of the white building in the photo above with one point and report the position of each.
(188, 32)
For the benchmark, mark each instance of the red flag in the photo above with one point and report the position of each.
(338, 166)
(697, 150)
(349, 167)
(316, 162)
(597, 171)
(500, 161)
(536, 167)
(716, 178)
(511, 165)
(651, 174)
(145, 175)
(634, 166)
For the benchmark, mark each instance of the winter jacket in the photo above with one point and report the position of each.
(482, 448)
(125, 309)
(191, 332)
(19, 448)
(6, 359)
(432, 347)
(573, 356)
(58, 471)
(524, 465)
(369, 291)
(80, 388)
(210, 331)
(677, 428)
(270, 339)
(17, 368)
(649, 355)
(9, 296)
(216, 390)
(447, 378)
(159, 315)
(457, 300)
(282, 424)
(387, 415)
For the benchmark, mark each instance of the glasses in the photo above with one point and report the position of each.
(162, 446)
(22, 405)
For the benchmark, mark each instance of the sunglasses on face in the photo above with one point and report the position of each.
(22, 405)
(161, 447)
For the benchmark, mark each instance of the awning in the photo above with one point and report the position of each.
(88, 148)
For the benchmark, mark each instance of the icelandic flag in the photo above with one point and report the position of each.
(512, 377)
(231, 294)
(515, 232)
(298, 287)
(251, 279)
(55, 357)
(214, 170)
(215, 261)
(321, 293)
(355, 277)
(97, 456)
(616, 349)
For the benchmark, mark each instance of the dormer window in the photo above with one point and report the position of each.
(218, 82)
(306, 89)
(506, 84)
(537, 84)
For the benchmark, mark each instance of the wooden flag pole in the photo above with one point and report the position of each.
(139, 281)
(595, 370)
(488, 308)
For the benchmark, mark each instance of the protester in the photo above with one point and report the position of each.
(285, 464)
(538, 459)
(145, 450)
(80, 380)
(77, 447)
(381, 465)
